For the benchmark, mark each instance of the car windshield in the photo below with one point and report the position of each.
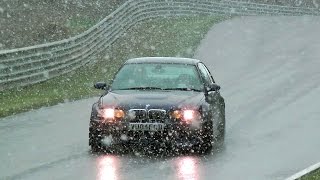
(157, 76)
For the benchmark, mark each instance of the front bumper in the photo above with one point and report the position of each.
(174, 135)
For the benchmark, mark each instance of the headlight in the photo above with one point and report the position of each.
(108, 113)
(112, 114)
(189, 115)
(186, 115)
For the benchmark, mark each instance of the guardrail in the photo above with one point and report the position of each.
(29, 65)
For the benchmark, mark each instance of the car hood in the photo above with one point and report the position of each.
(139, 99)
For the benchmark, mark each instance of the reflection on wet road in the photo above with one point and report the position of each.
(187, 168)
(108, 167)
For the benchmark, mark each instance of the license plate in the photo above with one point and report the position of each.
(146, 126)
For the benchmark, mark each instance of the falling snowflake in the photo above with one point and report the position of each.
(107, 140)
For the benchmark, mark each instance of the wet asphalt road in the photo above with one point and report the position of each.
(269, 70)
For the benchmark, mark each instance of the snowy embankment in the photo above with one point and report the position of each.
(269, 70)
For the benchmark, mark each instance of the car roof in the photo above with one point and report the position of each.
(168, 60)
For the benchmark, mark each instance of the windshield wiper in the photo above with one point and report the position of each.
(141, 88)
(183, 89)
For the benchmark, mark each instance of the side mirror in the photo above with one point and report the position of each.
(213, 87)
(100, 85)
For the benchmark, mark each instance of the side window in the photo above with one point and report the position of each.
(205, 74)
(210, 75)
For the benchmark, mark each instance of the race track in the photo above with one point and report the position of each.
(269, 70)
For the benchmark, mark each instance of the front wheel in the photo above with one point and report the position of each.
(207, 140)
(222, 126)
(222, 132)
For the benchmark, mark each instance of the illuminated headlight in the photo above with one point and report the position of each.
(108, 113)
(186, 115)
(112, 114)
(189, 115)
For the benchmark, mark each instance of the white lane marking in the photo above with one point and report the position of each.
(304, 172)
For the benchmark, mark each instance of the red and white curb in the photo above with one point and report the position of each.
(304, 172)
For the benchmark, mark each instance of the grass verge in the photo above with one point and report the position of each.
(157, 37)
(79, 24)
(315, 175)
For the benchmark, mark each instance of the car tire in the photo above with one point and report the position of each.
(207, 140)
(222, 127)
(221, 132)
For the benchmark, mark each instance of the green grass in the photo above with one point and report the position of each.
(79, 24)
(312, 176)
(157, 37)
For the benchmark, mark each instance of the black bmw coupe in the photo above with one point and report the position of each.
(158, 102)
